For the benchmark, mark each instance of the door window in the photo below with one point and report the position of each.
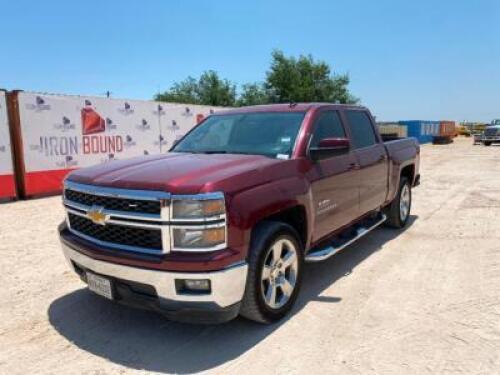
(328, 125)
(361, 129)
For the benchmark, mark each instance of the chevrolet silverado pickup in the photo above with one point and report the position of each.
(223, 224)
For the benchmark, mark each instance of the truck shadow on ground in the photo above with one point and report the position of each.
(145, 340)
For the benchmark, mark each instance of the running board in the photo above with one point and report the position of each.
(318, 255)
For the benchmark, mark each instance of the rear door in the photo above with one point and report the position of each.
(334, 181)
(372, 158)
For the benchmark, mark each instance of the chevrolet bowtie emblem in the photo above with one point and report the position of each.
(97, 215)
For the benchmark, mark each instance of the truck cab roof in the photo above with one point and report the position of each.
(288, 107)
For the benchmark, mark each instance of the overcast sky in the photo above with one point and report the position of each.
(406, 59)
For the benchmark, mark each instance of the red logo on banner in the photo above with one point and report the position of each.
(92, 122)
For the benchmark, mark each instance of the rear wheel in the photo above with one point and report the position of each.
(398, 211)
(274, 274)
(487, 143)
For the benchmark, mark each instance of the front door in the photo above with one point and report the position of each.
(334, 181)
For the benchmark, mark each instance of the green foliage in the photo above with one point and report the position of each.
(305, 80)
(209, 89)
(181, 92)
(253, 94)
(289, 79)
(215, 91)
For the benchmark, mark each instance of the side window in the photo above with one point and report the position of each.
(328, 125)
(361, 129)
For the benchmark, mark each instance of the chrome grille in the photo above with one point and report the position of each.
(131, 220)
(489, 132)
(112, 203)
(134, 220)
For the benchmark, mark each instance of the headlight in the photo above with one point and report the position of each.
(198, 222)
(186, 209)
(210, 238)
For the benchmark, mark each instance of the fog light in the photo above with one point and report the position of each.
(193, 286)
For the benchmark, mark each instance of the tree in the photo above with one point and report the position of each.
(181, 92)
(215, 91)
(253, 94)
(289, 79)
(305, 80)
(209, 89)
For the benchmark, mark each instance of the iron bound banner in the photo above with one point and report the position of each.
(62, 133)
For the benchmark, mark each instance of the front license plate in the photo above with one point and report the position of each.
(100, 285)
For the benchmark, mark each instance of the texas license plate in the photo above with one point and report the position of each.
(100, 285)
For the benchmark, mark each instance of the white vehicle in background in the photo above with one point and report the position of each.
(492, 133)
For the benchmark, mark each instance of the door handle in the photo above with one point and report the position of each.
(353, 166)
(382, 158)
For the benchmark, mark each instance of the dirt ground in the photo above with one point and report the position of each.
(425, 300)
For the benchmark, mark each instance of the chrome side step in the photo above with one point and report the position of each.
(319, 255)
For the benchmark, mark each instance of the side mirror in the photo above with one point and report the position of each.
(329, 147)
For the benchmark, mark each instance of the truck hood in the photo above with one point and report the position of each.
(183, 173)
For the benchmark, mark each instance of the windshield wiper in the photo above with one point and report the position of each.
(202, 151)
(208, 152)
(213, 152)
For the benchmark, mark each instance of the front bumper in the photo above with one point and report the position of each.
(154, 289)
(493, 138)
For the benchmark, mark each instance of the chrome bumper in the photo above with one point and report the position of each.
(228, 285)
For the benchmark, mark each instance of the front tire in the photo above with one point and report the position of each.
(398, 211)
(487, 143)
(274, 274)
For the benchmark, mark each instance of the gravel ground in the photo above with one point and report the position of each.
(422, 300)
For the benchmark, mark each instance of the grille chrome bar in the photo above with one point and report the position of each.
(117, 222)
(121, 214)
(121, 235)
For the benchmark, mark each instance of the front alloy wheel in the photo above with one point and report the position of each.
(275, 262)
(279, 273)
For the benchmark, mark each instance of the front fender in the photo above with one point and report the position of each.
(251, 206)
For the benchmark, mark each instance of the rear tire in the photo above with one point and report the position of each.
(398, 211)
(487, 143)
(275, 263)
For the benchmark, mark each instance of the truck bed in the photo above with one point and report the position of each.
(391, 137)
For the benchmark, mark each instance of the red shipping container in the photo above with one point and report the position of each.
(447, 128)
(7, 179)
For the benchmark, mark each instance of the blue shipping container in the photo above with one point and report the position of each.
(421, 129)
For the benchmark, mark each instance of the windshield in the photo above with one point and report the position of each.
(269, 134)
(495, 122)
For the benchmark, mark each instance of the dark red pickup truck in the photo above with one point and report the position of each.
(223, 224)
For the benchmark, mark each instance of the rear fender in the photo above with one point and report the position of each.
(395, 178)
